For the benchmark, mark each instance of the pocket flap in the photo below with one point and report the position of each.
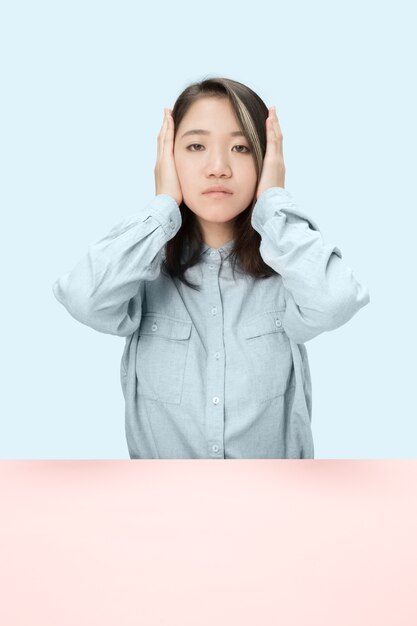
(164, 326)
(263, 323)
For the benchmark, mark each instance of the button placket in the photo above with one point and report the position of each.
(215, 367)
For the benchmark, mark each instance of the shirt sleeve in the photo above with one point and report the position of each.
(105, 289)
(321, 292)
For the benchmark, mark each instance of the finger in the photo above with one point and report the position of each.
(161, 136)
(274, 134)
(271, 116)
(169, 126)
(271, 134)
(163, 124)
(276, 122)
(169, 132)
(161, 130)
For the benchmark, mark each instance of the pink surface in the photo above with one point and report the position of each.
(196, 542)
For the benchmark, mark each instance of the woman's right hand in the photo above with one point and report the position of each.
(166, 177)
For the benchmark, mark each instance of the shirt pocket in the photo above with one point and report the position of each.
(269, 354)
(161, 357)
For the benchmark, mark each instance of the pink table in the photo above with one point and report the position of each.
(199, 543)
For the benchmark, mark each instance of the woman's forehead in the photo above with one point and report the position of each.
(219, 119)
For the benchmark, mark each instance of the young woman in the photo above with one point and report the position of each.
(216, 285)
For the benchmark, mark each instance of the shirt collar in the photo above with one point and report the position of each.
(226, 247)
(206, 251)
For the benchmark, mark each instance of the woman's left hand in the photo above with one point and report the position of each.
(273, 169)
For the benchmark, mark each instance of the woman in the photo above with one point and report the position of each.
(215, 291)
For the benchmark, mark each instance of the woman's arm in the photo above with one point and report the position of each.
(321, 291)
(105, 289)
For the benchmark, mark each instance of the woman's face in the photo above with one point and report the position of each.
(214, 157)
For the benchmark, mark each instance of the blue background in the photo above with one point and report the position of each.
(84, 85)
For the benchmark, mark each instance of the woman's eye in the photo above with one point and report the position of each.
(246, 149)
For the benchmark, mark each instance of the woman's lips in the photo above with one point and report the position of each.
(218, 194)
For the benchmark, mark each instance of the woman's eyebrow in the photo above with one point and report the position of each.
(200, 131)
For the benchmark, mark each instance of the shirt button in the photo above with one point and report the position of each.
(215, 448)
(278, 323)
(211, 266)
(216, 400)
(212, 253)
(154, 326)
(214, 310)
(217, 355)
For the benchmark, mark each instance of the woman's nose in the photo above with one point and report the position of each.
(218, 164)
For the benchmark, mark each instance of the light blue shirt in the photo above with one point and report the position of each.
(220, 373)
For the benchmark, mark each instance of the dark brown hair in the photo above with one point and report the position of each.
(184, 249)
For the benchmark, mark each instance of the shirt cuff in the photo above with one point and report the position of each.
(166, 211)
(270, 203)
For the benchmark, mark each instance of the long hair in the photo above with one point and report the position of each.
(184, 249)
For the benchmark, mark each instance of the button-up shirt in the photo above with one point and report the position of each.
(222, 372)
